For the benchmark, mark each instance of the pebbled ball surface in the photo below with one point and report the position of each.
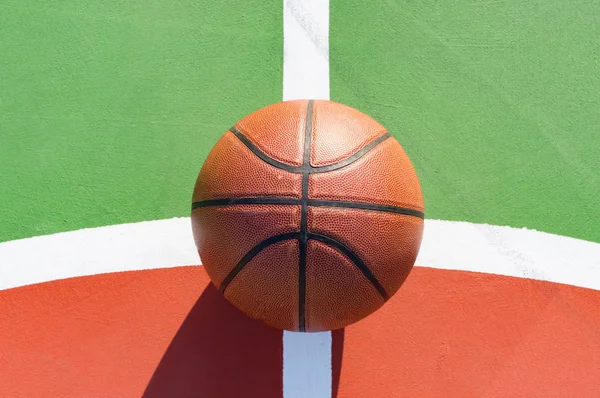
(307, 215)
(258, 280)
(336, 291)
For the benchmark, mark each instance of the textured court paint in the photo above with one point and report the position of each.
(463, 334)
(306, 356)
(496, 103)
(108, 109)
(168, 332)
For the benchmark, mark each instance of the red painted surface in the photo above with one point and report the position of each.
(169, 333)
(463, 334)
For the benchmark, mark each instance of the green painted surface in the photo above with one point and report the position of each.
(108, 108)
(496, 103)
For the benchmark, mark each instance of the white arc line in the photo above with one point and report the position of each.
(522, 253)
(306, 356)
(451, 245)
(91, 251)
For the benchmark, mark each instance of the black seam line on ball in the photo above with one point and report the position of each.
(253, 252)
(306, 167)
(303, 217)
(264, 200)
(354, 258)
(274, 200)
(366, 206)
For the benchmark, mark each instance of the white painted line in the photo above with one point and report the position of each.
(305, 49)
(452, 245)
(144, 245)
(306, 365)
(523, 253)
(306, 356)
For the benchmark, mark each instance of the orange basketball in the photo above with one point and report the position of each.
(307, 215)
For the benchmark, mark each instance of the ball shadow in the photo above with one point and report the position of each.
(337, 352)
(219, 352)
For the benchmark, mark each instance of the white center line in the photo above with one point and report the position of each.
(306, 356)
(305, 49)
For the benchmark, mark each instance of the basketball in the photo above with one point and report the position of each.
(307, 215)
